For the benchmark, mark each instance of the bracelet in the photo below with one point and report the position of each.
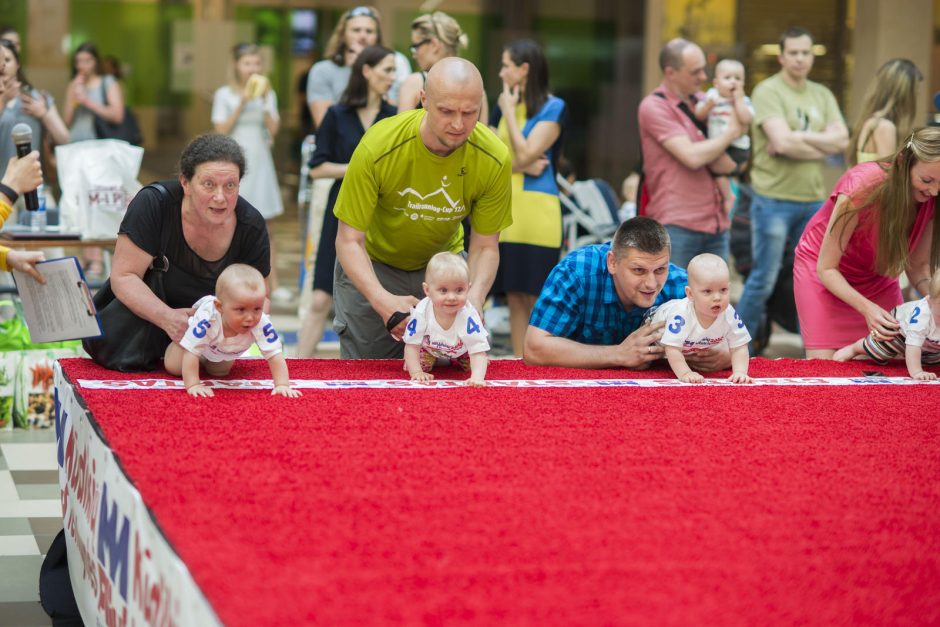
(9, 192)
(194, 385)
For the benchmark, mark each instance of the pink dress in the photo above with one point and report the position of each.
(826, 321)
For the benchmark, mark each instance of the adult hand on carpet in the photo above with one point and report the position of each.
(640, 349)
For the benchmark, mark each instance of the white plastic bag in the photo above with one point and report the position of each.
(98, 178)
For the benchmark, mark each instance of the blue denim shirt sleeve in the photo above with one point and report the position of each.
(559, 309)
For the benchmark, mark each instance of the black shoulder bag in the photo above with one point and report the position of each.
(130, 343)
(128, 129)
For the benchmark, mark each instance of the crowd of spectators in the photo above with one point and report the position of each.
(436, 178)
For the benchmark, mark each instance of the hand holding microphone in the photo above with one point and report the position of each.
(24, 174)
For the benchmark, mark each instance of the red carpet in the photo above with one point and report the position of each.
(814, 505)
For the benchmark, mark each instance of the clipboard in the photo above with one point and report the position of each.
(62, 308)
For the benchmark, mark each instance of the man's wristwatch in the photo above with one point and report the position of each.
(395, 319)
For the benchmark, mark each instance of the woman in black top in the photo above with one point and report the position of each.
(206, 225)
(361, 105)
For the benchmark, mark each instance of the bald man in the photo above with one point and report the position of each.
(411, 181)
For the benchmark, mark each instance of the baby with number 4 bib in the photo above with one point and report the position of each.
(444, 327)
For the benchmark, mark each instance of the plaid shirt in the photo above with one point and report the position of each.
(579, 301)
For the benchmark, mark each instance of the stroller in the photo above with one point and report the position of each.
(589, 212)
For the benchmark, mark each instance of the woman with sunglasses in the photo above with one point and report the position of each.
(434, 36)
(361, 105)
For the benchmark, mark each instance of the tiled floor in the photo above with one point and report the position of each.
(30, 517)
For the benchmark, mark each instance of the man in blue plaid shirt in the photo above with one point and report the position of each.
(591, 309)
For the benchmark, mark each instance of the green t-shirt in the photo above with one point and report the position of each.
(410, 202)
(809, 109)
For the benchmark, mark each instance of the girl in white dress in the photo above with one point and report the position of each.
(246, 109)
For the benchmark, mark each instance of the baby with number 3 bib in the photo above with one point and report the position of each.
(223, 328)
(444, 328)
(703, 319)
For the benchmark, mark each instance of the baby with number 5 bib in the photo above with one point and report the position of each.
(444, 327)
(703, 319)
(223, 328)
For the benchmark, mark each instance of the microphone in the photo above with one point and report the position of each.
(23, 139)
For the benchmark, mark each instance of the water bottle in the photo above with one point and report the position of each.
(37, 219)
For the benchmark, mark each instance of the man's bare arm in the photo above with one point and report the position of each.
(636, 352)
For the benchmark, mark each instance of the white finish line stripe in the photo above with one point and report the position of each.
(436, 384)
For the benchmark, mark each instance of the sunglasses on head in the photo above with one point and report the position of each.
(362, 12)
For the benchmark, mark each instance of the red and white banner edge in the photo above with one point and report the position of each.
(123, 570)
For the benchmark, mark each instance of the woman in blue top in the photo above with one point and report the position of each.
(530, 121)
(361, 105)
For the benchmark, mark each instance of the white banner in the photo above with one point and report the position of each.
(397, 384)
(122, 569)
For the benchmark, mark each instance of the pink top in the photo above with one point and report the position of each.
(678, 196)
(825, 320)
(858, 261)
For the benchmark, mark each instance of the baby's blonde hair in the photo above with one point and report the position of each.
(706, 264)
(238, 276)
(447, 265)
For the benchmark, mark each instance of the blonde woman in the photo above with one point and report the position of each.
(434, 36)
(246, 109)
(357, 29)
(887, 113)
(878, 223)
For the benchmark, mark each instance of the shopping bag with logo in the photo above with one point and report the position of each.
(98, 180)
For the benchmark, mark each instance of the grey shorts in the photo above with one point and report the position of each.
(362, 333)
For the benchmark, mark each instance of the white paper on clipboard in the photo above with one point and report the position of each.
(61, 309)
